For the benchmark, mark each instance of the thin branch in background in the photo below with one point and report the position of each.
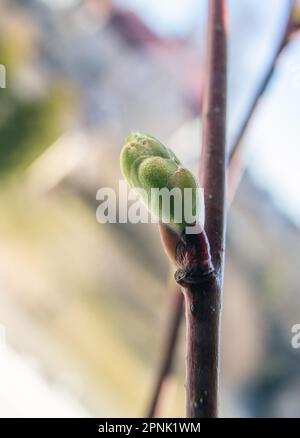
(169, 350)
(235, 172)
(236, 166)
(168, 353)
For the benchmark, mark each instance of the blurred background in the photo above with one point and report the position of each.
(84, 306)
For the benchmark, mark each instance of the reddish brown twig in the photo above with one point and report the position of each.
(203, 293)
(200, 272)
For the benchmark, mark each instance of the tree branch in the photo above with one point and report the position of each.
(165, 369)
(203, 291)
(213, 155)
(236, 167)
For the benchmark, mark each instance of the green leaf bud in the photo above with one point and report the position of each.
(147, 165)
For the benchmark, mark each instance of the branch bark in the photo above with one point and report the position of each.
(203, 290)
(199, 257)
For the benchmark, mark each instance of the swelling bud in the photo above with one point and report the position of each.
(168, 190)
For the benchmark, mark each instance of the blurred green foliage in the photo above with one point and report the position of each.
(29, 123)
(28, 129)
